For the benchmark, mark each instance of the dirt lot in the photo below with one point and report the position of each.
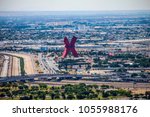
(15, 67)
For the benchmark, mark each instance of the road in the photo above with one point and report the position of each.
(42, 76)
(50, 76)
(42, 63)
(52, 65)
(28, 65)
(115, 68)
(4, 72)
(47, 64)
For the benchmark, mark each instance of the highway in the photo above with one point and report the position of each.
(47, 64)
(42, 76)
(127, 68)
(57, 76)
(52, 65)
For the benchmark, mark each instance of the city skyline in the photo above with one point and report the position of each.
(70, 5)
(74, 55)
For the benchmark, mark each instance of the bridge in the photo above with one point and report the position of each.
(44, 76)
(34, 77)
(127, 68)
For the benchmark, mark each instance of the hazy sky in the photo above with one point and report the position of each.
(69, 5)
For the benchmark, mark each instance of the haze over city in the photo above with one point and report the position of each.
(74, 49)
(73, 5)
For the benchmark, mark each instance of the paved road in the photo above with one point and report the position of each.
(4, 72)
(115, 68)
(49, 76)
(52, 65)
(48, 64)
(42, 63)
(41, 76)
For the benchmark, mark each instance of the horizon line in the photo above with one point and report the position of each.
(72, 10)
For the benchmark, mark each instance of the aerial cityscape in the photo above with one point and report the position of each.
(75, 55)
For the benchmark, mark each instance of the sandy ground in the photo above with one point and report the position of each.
(102, 72)
(10, 66)
(140, 91)
(29, 69)
(15, 67)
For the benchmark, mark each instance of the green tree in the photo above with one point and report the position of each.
(43, 86)
(147, 94)
(70, 97)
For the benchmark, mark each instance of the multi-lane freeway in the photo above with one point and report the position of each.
(43, 76)
(127, 68)
(59, 76)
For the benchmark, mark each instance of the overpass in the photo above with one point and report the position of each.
(127, 68)
(44, 76)
(59, 76)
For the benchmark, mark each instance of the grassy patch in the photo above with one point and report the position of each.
(22, 66)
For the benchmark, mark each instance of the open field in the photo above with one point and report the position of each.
(10, 67)
(140, 90)
(15, 67)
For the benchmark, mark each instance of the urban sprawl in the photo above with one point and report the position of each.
(113, 53)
